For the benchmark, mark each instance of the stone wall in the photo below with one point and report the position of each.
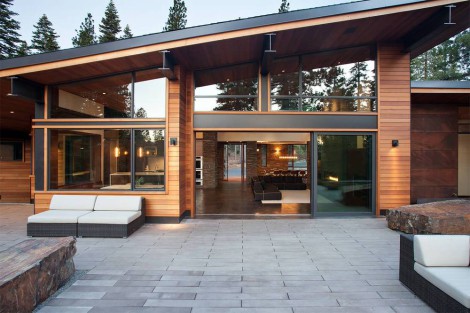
(251, 160)
(209, 153)
(273, 161)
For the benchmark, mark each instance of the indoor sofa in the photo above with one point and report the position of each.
(436, 268)
(284, 182)
(263, 191)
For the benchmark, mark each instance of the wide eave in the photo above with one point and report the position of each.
(334, 34)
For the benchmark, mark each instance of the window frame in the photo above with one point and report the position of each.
(132, 87)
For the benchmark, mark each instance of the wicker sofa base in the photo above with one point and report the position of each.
(426, 291)
(110, 230)
(51, 229)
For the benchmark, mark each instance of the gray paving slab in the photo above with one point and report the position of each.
(343, 265)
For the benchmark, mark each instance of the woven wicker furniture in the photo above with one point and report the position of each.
(445, 285)
(88, 216)
(62, 217)
(113, 216)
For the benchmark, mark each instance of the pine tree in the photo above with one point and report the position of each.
(44, 37)
(235, 88)
(447, 61)
(23, 49)
(110, 24)
(9, 37)
(127, 33)
(284, 7)
(176, 17)
(86, 35)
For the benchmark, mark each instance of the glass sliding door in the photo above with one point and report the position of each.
(344, 173)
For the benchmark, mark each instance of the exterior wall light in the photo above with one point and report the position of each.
(173, 141)
(395, 143)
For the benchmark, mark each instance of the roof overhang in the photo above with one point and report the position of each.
(327, 32)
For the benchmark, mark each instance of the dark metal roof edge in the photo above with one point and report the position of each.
(441, 84)
(204, 30)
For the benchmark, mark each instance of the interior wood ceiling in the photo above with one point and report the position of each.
(17, 124)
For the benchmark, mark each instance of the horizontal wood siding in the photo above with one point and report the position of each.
(393, 168)
(14, 177)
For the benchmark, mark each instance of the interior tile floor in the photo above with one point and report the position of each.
(235, 198)
(234, 266)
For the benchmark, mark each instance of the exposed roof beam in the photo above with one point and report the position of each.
(26, 89)
(267, 58)
(167, 68)
(435, 30)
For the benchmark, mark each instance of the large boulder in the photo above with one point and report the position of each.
(33, 270)
(444, 217)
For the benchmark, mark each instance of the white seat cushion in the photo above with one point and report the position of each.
(454, 281)
(72, 202)
(442, 250)
(109, 217)
(57, 216)
(118, 203)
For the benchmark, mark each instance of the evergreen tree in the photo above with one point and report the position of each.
(127, 33)
(236, 88)
(110, 24)
(9, 37)
(23, 49)
(86, 35)
(44, 37)
(447, 61)
(176, 17)
(284, 7)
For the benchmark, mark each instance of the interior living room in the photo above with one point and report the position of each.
(270, 173)
(231, 165)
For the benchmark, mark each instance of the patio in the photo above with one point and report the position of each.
(219, 266)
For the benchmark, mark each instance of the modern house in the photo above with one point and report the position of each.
(320, 97)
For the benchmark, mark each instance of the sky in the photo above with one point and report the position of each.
(143, 16)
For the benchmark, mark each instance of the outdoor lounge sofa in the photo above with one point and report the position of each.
(436, 268)
(88, 216)
(62, 217)
(113, 216)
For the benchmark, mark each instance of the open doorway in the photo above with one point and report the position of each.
(235, 162)
(229, 165)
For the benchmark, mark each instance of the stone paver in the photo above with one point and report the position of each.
(344, 265)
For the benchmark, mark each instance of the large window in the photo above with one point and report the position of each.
(341, 88)
(140, 95)
(227, 89)
(299, 157)
(102, 159)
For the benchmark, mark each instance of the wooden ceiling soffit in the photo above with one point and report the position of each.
(26, 89)
(267, 58)
(445, 23)
(167, 68)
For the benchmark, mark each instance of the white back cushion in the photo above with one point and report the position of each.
(118, 203)
(72, 202)
(442, 250)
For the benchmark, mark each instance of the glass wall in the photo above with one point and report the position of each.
(101, 159)
(150, 159)
(299, 154)
(343, 88)
(140, 95)
(344, 173)
(227, 89)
